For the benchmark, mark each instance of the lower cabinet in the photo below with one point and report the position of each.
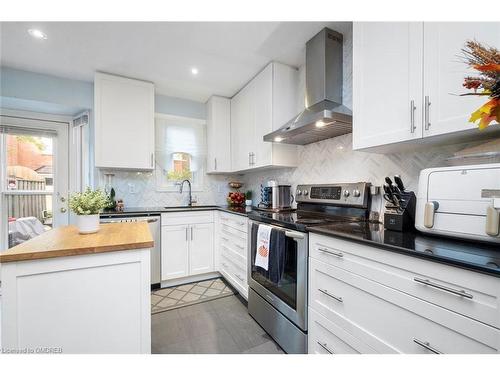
(355, 308)
(232, 234)
(187, 245)
(174, 251)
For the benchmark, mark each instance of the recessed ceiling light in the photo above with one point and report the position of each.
(194, 71)
(320, 123)
(37, 34)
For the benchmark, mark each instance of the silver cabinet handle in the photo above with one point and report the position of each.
(215, 164)
(241, 247)
(239, 277)
(187, 228)
(461, 293)
(152, 159)
(324, 291)
(427, 105)
(296, 235)
(427, 346)
(253, 158)
(330, 252)
(225, 239)
(224, 265)
(412, 116)
(63, 210)
(249, 159)
(240, 223)
(324, 346)
(191, 233)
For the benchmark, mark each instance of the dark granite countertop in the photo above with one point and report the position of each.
(243, 211)
(474, 256)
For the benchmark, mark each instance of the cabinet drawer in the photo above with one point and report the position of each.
(465, 292)
(191, 217)
(326, 337)
(235, 221)
(234, 274)
(390, 321)
(228, 231)
(233, 256)
(238, 245)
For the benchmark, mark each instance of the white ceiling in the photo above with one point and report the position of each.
(227, 55)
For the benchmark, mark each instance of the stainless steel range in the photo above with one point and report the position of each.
(277, 297)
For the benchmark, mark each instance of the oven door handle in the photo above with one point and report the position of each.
(295, 235)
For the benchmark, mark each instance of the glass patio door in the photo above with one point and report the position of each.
(34, 178)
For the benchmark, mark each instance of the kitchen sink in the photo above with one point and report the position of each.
(190, 207)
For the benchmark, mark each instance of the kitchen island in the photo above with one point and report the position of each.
(69, 293)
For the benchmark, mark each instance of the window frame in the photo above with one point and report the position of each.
(198, 187)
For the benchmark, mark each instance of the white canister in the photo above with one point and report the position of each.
(248, 202)
(87, 223)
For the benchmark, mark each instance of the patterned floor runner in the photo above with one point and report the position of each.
(188, 294)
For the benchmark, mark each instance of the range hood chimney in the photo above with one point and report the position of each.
(324, 116)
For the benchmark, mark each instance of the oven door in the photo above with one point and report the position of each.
(289, 294)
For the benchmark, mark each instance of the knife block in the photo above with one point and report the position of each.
(404, 218)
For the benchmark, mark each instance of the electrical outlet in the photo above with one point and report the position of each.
(131, 188)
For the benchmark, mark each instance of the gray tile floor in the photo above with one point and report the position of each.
(219, 326)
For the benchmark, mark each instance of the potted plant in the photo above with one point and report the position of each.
(248, 197)
(86, 206)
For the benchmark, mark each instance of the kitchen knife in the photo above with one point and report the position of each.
(388, 181)
(399, 182)
(389, 196)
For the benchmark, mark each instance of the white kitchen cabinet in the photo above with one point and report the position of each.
(201, 248)
(174, 251)
(266, 103)
(218, 135)
(347, 279)
(187, 244)
(242, 128)
(444, 72)
(407, 78)
(231, 249)
(124, 123)
(387, 83)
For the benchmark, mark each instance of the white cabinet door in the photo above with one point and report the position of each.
(445, 70)
(387, 81)
(218, 134)
(124, 122)
(241, 129)
(262, 153)
(174, 251)
(201, 248)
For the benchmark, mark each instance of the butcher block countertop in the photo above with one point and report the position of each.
(66, 241)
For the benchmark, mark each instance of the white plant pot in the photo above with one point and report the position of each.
(248, 202)
(87, 223)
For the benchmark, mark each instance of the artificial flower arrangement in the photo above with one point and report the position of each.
(486, 60)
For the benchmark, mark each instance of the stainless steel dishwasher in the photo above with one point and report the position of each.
(153, 221)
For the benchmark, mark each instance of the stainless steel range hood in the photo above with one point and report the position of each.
(324, 116)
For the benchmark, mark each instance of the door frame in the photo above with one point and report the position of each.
(52, 122)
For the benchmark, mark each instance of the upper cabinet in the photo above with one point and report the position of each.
(387, 81)
(218, 135)
(407, 78)
(444, 72)
(124, 123)
(263, 105)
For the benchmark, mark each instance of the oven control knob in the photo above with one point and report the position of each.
(306, 192)
(346, 193)
(356, 193)
(299, 192)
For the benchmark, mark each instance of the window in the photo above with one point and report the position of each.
(180, 152)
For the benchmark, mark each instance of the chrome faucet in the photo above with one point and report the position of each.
(190, 196)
